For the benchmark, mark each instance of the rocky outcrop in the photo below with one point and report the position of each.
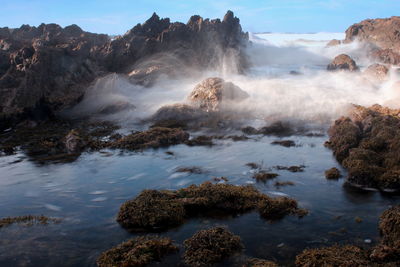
(367, 144)
(385, 33)
(387, 56)
(47, 68)
(382, 33)
(342, 62)
(212, 93)
(333, 42)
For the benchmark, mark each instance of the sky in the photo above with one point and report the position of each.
(118, 16)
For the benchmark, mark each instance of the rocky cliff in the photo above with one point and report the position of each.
(384, 34)
(47, 68)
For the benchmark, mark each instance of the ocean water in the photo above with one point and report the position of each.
(86, 194)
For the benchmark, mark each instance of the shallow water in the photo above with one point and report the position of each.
(87, 193)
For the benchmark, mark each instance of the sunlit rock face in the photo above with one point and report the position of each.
(213, 93)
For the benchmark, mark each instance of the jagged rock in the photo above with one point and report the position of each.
(48, 68)
(384, 33)
(342, 62)
(213, 93)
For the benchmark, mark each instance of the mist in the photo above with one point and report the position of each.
(286, 81)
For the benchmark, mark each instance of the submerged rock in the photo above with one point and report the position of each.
(386, 253)
(342, 62)
(137, 252)
(343, 256)
(213, 94)
(332, 174)
(207, 247)
(158, 210)
(27, 220)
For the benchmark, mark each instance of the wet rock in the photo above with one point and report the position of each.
(344, 135)
(334, 42)
(279, 184)
(285, 143)
(249, 130)
(192, 170)
(366, 143)
(139, 251)
(342, 62)
(179, 114)
(152, 138)
(151, 210)
(27, 220)
(254, 165)
(73, 142)
(277, 128)
(277, 208)
(263, 176)
(159, 210)
(377, 73)
(201, 140)
(294, 168)
(116, 107)
(332, 174)
(214, 94)
(343, 256)
(389, 226)
(207, 247)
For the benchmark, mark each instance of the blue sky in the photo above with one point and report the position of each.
(118, 16)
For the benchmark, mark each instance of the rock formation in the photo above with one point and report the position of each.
(47, 68)
(212, 93)
(343, 62)
(383, 33)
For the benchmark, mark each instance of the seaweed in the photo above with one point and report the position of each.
(136, 252)
(210, 246)
(332, 174)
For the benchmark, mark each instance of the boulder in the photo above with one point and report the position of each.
(212, 94)
(377, 73)
(343, 62)
(178, 112)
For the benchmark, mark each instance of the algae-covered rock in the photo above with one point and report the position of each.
(277, 208)
(152, 138)
(335, 256)
(210, 246)
(389, 226)
(332, 174)
(137, 252)
(27, 220)
(160, 210)
(367, 143)
(151, 210)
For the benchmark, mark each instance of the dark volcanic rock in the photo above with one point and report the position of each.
(343, 62)
(48, 68)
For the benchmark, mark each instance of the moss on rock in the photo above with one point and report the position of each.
(137, 252)
(207, 247)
